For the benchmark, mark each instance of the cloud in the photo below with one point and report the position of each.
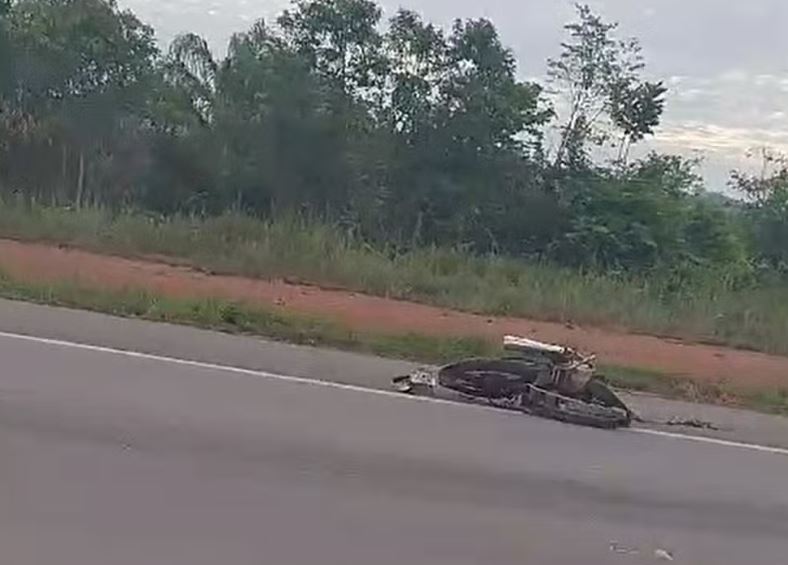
(751, 106)
(714, 137)
(733, 75)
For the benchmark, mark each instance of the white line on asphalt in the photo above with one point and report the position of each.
(354, 388)
(236, 370)
(712, 440)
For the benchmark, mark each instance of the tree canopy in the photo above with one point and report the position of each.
(400, 131)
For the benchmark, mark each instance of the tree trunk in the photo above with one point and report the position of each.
(63, 197)
(80, 180)
(567, 131)
(626, 146)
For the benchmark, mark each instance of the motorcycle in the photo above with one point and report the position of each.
(543, 379)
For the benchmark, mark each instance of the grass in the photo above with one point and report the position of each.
(291, 248)
(669, 386)
(239, 318)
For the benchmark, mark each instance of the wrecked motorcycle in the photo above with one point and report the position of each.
(547, 380)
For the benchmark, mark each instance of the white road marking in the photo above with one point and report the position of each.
(236, 370)
(355, 388)
(711, 440)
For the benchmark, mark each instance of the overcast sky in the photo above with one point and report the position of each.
(725, 62)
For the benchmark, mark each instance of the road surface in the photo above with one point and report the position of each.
(110, 458)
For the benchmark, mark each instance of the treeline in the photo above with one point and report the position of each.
(398, 131)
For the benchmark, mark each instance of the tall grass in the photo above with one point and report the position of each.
(290, 247)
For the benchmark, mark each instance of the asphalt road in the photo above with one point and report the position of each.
(336, 366)
(111, 459)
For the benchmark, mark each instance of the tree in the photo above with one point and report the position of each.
(339, 38)
(460, 122)
(82, 72)
(418, 62)
(191, 68)
(6, 57)
(343, 48)
(272, 114)
(767, 192)
(6, 73)
(643, 216)
(406, 136)
(636, 109)
(485, 107)
(597, 76)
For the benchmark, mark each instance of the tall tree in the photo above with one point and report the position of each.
(417, 55)
(342, 45)
(191, 68)
(83, 72)
(636, 109)
(462, 119)
(486, 108)
(598, 77)
(6, 57)
(6, 62)
(339, 38)
(272, 112)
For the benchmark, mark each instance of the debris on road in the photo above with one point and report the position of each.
(616, 547)
(547, 380)
(692, 423)
(663, 555)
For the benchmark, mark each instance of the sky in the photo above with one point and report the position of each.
(724, 62)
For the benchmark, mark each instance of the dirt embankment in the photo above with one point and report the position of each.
(741, 369)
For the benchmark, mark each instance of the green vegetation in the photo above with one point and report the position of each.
(233, 317)
(401, 133)
(668, 386)
(392, 157)
(291, 248)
